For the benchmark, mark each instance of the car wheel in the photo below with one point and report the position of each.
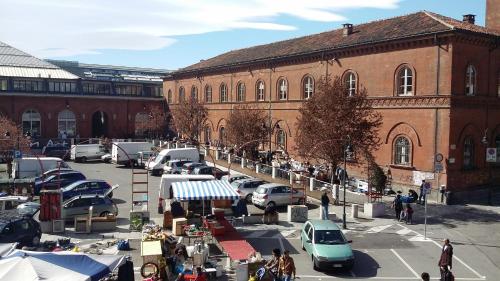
(315, 265)
(271, 204)
(249, 198)
(83, 159)
(35, 241)
(104, 214)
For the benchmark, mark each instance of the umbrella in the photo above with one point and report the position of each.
(57, 266)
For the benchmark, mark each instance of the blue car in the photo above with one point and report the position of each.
(86, 187)
(56, 181)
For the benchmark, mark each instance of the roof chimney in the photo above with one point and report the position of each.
(469, 18)
(347, 29)
(493, 15)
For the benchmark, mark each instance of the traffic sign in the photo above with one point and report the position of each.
(491, 154)
(439, 157)
(17, 154)
(438, 167)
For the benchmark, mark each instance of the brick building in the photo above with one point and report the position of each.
(55, 98)
(435, 80)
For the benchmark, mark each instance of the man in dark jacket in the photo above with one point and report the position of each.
(445, 261)
(398, 205)
(325, 201)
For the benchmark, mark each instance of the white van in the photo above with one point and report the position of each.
(30, 167)
(166, 191)
(84, 152)
(190, 153)
(132, 149)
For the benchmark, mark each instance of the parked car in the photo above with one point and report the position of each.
(174, 166)
(106, 158)
(326, 244)
(246, 187)
(144, 157)
(85, 152)
(87, 187)
(276, 195)
(29, 167)
(101, 205)
(28, 208)
(188, 168)
(126, 153)
(15, 227)
(11, 202)
(56, 181)
(231, 178)
(209, 170)
(60, 151)
(51, 172)
(189, 153)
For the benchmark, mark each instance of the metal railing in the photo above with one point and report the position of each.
(266, 169)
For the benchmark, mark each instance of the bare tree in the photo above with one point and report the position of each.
(189, 117)
(246, 128)
(154, 123)
(332, 118)
(11, 138)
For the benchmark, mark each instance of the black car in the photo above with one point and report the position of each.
(60, 151)
(209, 170)
(16, 227)
(56, 181)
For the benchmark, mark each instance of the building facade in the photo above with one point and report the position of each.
(435, 80)
(65, 99)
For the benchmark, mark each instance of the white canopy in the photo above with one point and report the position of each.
(57, 266)
(204, 190)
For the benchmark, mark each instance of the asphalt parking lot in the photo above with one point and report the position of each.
(384, 249)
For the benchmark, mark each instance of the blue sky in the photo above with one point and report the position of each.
(171, 34)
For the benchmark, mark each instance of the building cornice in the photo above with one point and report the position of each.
(67, 96)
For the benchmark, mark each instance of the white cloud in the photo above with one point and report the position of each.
(52, 28)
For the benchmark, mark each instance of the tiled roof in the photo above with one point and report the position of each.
(415, 24)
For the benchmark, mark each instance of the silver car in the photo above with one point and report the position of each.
(174, 166)
(274, 194)
(79, 206)
(246, 187)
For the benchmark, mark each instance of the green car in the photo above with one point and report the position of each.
(326, 244)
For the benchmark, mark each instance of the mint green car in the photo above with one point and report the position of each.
(326, 244)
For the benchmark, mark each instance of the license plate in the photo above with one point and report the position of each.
(337, 265)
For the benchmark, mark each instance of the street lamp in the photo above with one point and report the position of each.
(348, 151)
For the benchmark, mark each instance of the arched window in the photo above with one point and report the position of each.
(194, 93)
(240, 92)
(169, 96)
(405, 81)
(402, 151)
(66, 123)
(223, 93)
(32, 122)
(141, 122)
(182, 94)
(208, 93)
(350, 83)
(282, 89)
(470, 80)
(308, 87)
(281, 139)
(260, 91)
(208, 134)
(222, 135)
(468, 153)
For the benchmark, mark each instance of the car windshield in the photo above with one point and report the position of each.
(329, 237)
(261, 190)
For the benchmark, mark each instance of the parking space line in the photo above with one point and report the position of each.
(481, 277)
(405, 263)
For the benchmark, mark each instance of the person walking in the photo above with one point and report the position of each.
(409, 214)
(397, 205)
(445, 261)
(421, 197)
(325, 201)
(286, 267)
(273, 265)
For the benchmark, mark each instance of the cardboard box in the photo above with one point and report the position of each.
(178, 226)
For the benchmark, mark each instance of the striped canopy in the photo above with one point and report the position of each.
(204, 190)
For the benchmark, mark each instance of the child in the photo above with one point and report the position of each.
(409, 214)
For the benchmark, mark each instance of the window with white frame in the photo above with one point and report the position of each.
(260, 89)
(468, 153)
(402, 151)
(405, 81)
(308, 87)
(194, 93)
(208, 93)
(32, 122)
(66, 123)
(223, 93)
(240, 92)
(182, 94)
(350, 83)
(282, 89)
(470, 81)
